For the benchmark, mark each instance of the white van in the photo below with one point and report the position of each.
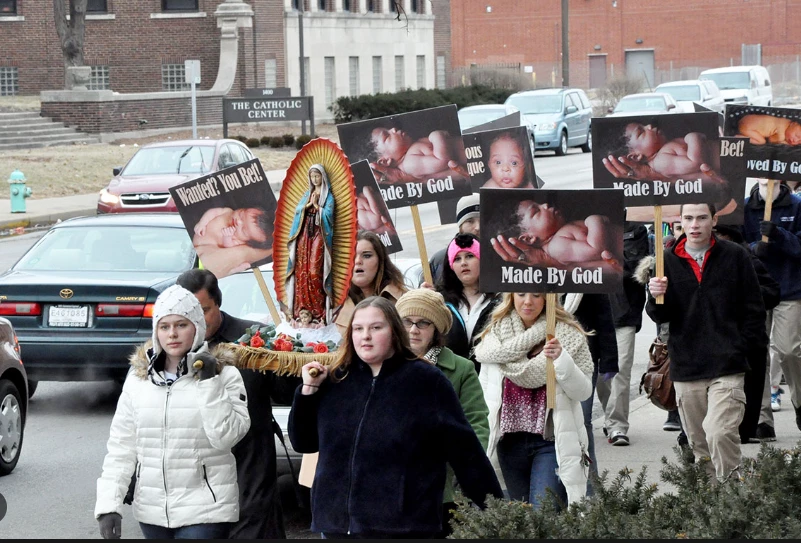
(746, 85)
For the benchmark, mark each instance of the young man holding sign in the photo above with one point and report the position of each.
(716, 314)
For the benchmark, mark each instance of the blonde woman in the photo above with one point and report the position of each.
(537, 449)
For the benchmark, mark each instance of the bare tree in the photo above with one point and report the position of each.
(70, 33)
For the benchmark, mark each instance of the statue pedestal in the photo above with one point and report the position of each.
(77, 77)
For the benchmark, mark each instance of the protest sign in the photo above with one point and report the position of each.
(538, 240)
(500, 159)
(372, 212)
(508, 121)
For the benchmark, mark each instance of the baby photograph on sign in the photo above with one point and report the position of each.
(416, 157)
(537, 240)
(774, 139)
(500, 159)
(229, 216)
(372, 212)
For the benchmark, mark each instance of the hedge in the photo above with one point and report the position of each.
(369, 106)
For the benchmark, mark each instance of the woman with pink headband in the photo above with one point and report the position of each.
(459, 286)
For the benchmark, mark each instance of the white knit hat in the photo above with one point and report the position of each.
(467, 208)
(176, 300)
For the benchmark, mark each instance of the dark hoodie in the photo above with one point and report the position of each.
(783, 260)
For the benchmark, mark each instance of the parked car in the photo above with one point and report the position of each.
(143, 184)
(473, 116)
(704, 92)
(13, 398)
(645, 103)
(744, 85)
(81, 298)
(562, 117)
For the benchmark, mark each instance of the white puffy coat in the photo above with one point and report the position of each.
(178, 440)
(498, 354)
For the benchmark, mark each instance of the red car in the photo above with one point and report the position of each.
(144, 183)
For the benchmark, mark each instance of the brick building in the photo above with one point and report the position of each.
(658, 40)
(351, 46)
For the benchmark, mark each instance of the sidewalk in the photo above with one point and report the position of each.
(41, 212)
(649, 443)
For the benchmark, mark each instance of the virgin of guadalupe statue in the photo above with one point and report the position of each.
(309, 283)
(314, 238)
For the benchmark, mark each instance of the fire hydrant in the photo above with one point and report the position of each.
(18, 191)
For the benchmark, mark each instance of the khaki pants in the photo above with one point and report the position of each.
(786, 340)
(765, 412)
(615, 394)
(711, 411)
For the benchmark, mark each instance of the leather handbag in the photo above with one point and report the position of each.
(656, 381)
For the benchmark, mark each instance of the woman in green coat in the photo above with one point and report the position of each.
(427, 319)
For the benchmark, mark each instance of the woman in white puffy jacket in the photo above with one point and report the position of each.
(180, 412)
(537, 448)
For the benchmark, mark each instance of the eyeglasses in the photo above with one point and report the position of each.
(422, 324)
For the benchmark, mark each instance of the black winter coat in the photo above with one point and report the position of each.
(384, 443)
(260, 515)
(715, 324)
(594, 313)
(629, 301)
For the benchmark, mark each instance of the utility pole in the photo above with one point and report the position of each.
(302, 64)
(565, 46)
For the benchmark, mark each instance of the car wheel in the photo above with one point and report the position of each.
(587, 147)
(32, 386)
(562, 149)
(11, 426)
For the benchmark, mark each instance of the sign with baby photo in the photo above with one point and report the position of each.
(417, 157)
(500, 159)
(372, 212)
(773, 150)
(229, 215)
(660, 159)
(507, 121)
(539, 240)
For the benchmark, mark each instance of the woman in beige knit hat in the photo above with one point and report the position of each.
(427, 319)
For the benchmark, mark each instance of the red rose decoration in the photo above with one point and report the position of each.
(321, 348)
(256, 342)
(282, 345)
(311, 344)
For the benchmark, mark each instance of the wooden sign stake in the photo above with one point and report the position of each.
(550, 329)
(421, 245)
(659, 249)
(267, 298)
(769, 204)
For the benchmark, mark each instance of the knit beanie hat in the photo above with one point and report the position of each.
(176, 300)
(466, 208)
(428, 304)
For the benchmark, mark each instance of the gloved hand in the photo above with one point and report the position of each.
(608, 376)
(110, 525)
(761, 249)
(202, 365)
(767, 228)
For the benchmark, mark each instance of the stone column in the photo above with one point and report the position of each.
(231, 16)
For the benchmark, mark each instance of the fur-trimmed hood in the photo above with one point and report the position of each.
(141, 359)
(643, 272)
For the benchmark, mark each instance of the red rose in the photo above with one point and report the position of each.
(256, 341)
(243, 343)
(257, 333)
(282, 345)
(321, 348)
(311, 344)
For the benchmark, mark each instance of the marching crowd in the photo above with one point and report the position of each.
(444, 386)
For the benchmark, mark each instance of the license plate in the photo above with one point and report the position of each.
(68, 316)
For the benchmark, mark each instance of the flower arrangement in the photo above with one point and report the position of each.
(265, 337)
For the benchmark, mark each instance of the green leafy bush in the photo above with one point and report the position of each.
(276, 142)
(289, 139)
(300, 141)
(764, 503)
(241, 138)
(265, 140)
(370, 106)
(252, 142)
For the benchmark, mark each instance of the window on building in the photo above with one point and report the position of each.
(98, 78)
(173, 77)
(307, 76)
(353, 73)
(421, 71)
(270, 73)
(416, 6)
(297, 5)
(393, 7)
(9, 81)
(96, 6)
(321, 5)
(441, 82)
(8, 7)
(400, 76)
(346, 5)
(330, 81)
(377, 75)
(179, 5)
(371, 6)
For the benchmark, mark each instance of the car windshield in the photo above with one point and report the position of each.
(173, 159)
(469, 119)
(531, 105)
(640, 104)
(733, 80)
(117, 248)
(683, 92)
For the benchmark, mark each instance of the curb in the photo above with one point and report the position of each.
(28, 221)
